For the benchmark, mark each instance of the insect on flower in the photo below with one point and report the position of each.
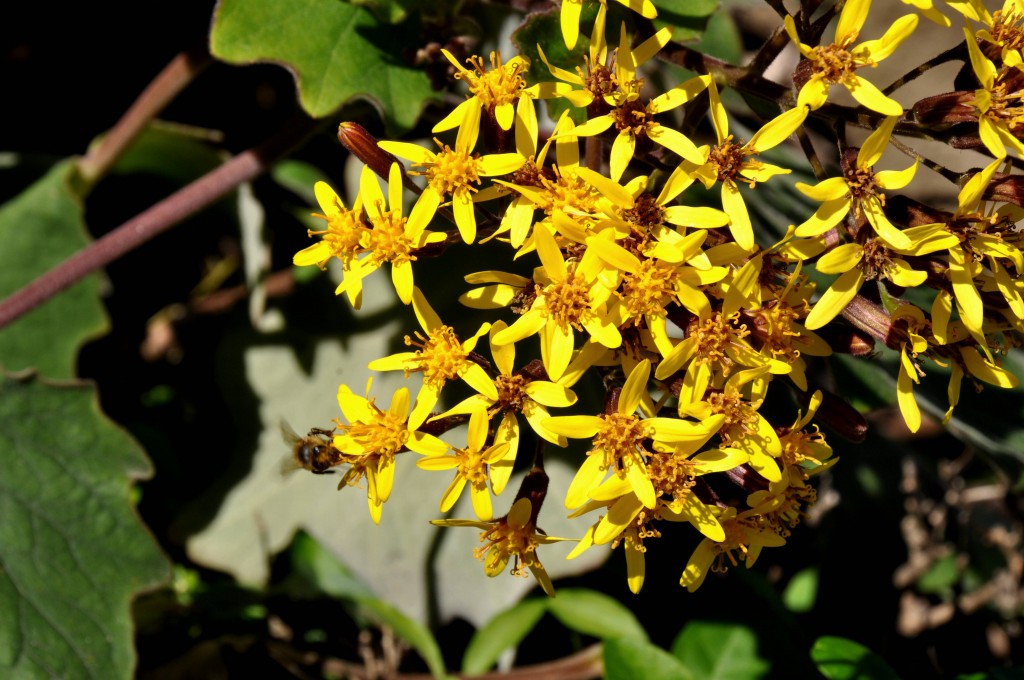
(314, 452)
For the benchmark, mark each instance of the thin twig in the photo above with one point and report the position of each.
(157, 219)
(181, 71)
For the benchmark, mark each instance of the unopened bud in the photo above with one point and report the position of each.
(1005, 189)
(363, 146)
(839, 415)
(943, 110)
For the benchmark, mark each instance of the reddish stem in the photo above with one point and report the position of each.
(156, 219)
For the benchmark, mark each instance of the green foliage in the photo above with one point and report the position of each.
(633, 658)
(507, 629)
(687, 17)
(39, 229)
(801, 591)
(72, 550)
(714, 650)
(841, 659)
(591, 613)
(336, 50)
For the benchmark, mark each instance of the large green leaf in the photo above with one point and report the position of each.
(72, 550)
(39, 229)
(715, 650)
(635, 659)
(592, 613)
(687, 17)
(337, 51)
(504, 631)
(842, 659)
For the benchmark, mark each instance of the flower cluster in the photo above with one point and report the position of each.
(701, 326)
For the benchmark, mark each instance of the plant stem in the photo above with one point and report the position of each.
(174, 77)
(157, 219)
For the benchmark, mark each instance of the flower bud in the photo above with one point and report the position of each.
(363, 146)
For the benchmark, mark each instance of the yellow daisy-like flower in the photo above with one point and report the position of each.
(512, 537)
(744, 540)
(471, 465)
(1003, 28)
(566, 296)
(393, 238)
(494, 90)
(513, 392)
(634, 120)
(860, 190)
(730, 162)
(998, 101)
(375, 437)
(342, 239)
(620, 443)
(835, 64)
(455, 173)
(441, 357)
(569, 16)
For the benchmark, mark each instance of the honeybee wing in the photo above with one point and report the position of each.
(289, 463)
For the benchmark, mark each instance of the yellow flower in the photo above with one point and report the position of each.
(743, 542)
(494, 90)
(376, 437)
(620, 443)
(1000, 110)
(513, 536)
(859, 190)
(567, 296)
(511, 392)
(911, 322)
(343, 238)
(1002, 27)
(393, 237)
(456, 173)
(634, 120)
(856, 264)
(471, 464)
(713, 347)
(928, 11)
(569, 16)
(730, 162)
(835, 64)
(441, 357)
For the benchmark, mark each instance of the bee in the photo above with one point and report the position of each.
(314, 452)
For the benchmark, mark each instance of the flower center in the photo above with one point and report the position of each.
(620, 439)
(385, 436)
(834, 63)
(511, 391)
(645, 212)
(387, 240)
(739, 415)
(497, 86)
(440, 356)
(344, 233)
(568, 191)
(727, 158)
(671, 475)
(1006, 28)
(503, 541)
(472, 467)
(451, 169)
(774, 325)
(714, 336)
(646, 290)
(600, 80)
(568, 301)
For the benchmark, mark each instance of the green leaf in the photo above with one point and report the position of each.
(39, 229)
(715, 650)
(592, 613)
(841, 659)
(687, 17)
(801, 591)
(388, 11)
(629, 658)
(317, 566)
(72, 550)
(505, 630)
(940, 577)
(336, 51)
